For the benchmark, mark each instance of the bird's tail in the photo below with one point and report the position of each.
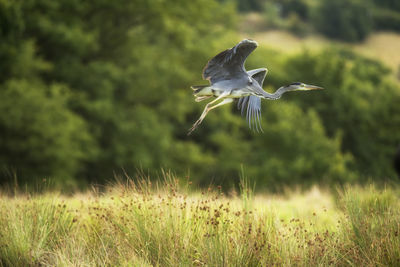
(201, 90)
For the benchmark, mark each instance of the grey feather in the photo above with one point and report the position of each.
(258, 75)
(253, 103)
(229, 62)
(252, 106)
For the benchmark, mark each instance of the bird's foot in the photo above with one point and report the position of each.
(195, 125)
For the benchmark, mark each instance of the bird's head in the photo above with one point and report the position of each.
(298, 86)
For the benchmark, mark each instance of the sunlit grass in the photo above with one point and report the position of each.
(381, 46)
(170, 224)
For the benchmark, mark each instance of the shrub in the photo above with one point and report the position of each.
(348, 20)
(359, 102)
(39, 136)
(386, 19)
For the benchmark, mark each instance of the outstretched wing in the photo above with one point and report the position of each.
(253, 114)
(229, 62)
(258, 75)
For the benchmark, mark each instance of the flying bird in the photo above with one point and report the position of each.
(229, 80)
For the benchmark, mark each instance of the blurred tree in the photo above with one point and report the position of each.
(389, 4)
(348, 20)
(386, 19)
(88, 89)
(123, 65)
(39, 136)
(249, 5)
(272, 15)
(396, 161)
(296, 150)
(359, 102)
(293, 150)
(297, 26)
(291, 15)
(290, 7)
(285, 7)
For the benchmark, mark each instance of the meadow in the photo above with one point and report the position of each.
(91, 91)
(172, 224)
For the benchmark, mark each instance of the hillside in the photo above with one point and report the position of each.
(381, 46)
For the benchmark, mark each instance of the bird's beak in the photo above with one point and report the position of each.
(311, 87)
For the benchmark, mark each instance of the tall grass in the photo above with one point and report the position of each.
(31, 229)
(145, 224)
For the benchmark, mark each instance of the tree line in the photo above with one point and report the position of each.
(91, 90)
(347, 20)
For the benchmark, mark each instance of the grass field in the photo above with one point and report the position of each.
(173, 225)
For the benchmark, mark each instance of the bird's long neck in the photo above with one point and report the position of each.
(278, 93)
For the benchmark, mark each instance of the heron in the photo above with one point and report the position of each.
(229, 80)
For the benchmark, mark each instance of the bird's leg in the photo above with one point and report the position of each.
(225, 101)
(207, 109)
(201, 98)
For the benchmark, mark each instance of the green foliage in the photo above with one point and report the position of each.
(11, 27)
(295, 149)
(386, 19)
(249, 5)
(289, 15)
(348, 20)
(359, 103)
(389, 4)
(290, 7)
(39, 136)
(285, 7)
(297, 26)
(114, 61)
(272, 16)
(88, 91)
(386, 15)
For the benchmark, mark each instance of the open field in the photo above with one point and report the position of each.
(170, 225)
(381, 46)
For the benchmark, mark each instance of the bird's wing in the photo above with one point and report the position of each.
(258, 75)
(229, 62)
(253, 103)
(253, 114)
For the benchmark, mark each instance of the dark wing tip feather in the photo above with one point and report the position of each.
(216, 61)
(229, 60)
